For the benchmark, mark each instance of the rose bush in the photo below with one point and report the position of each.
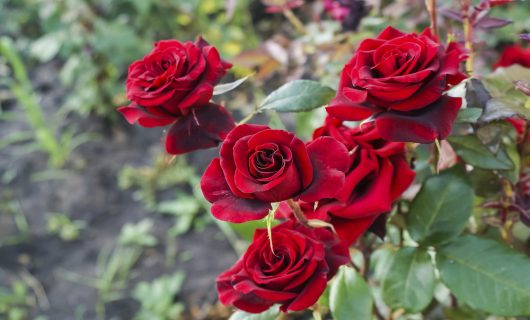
(293, 275)
(259, 166)
(400, 79)
(173, 84)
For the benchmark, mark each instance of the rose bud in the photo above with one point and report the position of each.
(294, 275)
(259, 166)
(173, 84)
(400, 79)
(514, 55)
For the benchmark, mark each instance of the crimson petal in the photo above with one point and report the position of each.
(203, 128)
(134, 113)
(423, 126)
(226, 206)
(330, 162)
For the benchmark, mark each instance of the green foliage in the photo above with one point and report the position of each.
(298, 95)
(486, 275)
(60, 224)
(410, 282)
(441, 209)
(15, 301)
(270, 314)
(350, 296)
(58, 149)
(157, 299)
(137, 234)
(474, 152)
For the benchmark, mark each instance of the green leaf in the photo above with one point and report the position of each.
(350, 297)
(275, 122)
(471, 149)
(410, 281)
(226, 87)
(500, 85)
(298, 95)
(469, 115)
(486, 275)
(270, 314)
(440, 211)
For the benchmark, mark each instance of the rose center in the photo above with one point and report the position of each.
(267, 160)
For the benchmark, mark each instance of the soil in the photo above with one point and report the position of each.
(89, 192)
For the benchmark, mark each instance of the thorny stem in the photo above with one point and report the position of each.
(293, 19)
(297, 211)
(468, 34)
(247, 118)
(431, 7)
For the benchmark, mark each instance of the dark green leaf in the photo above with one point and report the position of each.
(507, 100)
(298, 95)
(226, 87)
(441, 209)
(410, 281)
(486, 275)
(270, 314)
(350, 297)
(469, 115)
(471, 149)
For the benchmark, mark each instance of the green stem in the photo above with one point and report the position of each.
(23, 91)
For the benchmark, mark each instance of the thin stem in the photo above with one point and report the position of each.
(431, 7)
(293, 19)
(468, 34)
(297, 211)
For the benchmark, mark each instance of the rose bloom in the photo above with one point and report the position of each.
(294, 275)
(173, 84)
(259, 166)
(400, 79)
(378, 174)
(514, 55)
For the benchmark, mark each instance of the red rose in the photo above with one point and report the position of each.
(399, 79)
(377, 176)
(173, 84)
(294, 275)
(514, 55)
(259, 165)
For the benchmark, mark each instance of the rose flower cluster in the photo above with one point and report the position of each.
(344, 179)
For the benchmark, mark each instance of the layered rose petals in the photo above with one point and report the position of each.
(377, 176)
(173, 84)
(294, 275)
(175, 76)
(259, 165)
(398, 73)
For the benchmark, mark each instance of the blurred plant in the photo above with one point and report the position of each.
(137, 234)
(58, 149)
(114, 265)
(15, 301)
(11, 207)
(149, 180)
(157, 298)
(60, 224)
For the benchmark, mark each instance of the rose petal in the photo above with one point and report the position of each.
(226, 206)
(423, 126)
(135, 113)
(330, 161)
(203, 128)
